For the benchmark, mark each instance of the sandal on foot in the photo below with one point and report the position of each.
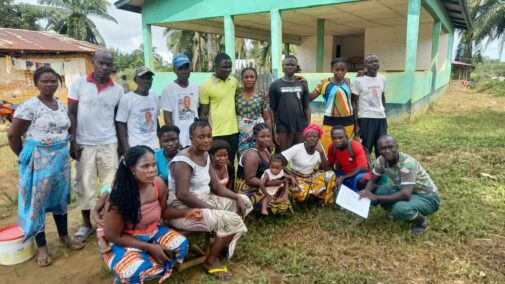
(71, 243)
(221, 273)
(83, 234)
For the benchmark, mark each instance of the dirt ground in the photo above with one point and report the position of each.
(459, 264)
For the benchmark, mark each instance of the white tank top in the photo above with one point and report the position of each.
(200, 177)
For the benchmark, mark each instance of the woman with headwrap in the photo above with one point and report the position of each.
(309, 166)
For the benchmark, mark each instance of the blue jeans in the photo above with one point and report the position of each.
(351, 183)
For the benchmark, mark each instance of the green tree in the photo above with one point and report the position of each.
(134, 59)
(198, 46)
(488, 24)
(72, 18)
(19, 16)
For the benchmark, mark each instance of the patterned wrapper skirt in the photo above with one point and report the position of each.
(131, 265)
(255, 195)
(320, 184)
(44, 183)
(224, 221)
(245, 137)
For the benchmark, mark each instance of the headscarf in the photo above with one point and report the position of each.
(313, 127)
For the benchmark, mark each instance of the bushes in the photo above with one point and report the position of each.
(493, 87)
(489, 69)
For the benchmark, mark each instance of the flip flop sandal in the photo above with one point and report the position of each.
(224, 269)
(72, 244)
(83, 233)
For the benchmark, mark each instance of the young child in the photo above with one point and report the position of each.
(219, 161)
(273, 173)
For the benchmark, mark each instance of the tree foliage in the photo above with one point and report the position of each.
(19, 16)
(134, 59)
(200, 47)
(72, 18)
(488, 24)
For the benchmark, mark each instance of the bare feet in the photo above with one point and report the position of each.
(264, 211)
(71, 243)
(43, 258)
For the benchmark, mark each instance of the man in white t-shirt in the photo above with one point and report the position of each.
(92, 103)
(369, 102)
(137, 113)
(179, 99)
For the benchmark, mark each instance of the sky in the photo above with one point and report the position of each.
(127, 34)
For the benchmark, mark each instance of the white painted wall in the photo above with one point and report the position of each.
(389, 44)
(306, 53)
(443, 46)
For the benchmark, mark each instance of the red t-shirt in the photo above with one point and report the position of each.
(345, 160)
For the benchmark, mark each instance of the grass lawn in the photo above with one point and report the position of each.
(460, 141)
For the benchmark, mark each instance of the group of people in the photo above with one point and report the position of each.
(226, 150)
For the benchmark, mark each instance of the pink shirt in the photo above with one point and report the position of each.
(150, 216)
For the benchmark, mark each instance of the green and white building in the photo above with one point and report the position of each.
(413, 38)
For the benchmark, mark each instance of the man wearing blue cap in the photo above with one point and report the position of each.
(179, 99)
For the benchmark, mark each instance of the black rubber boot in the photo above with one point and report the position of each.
(419, 224)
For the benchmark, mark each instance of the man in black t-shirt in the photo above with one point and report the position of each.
(289, 101)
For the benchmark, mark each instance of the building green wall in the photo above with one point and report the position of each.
(399, 101)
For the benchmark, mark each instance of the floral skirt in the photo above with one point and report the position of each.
(245, 136)
(320, 184)
(44, 183)
(224, 220)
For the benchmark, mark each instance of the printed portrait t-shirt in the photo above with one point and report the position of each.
(140, 113)
(183, 104)
(369, 90)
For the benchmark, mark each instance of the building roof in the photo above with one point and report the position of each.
(459, 63)
(458, 13)
(15, 40)
(457, 10)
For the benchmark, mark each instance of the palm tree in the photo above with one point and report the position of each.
(200, 47)
(488, 23)
(71, 17)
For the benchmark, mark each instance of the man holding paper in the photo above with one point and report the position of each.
(413, 194)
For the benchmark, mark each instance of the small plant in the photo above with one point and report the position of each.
(9, 206)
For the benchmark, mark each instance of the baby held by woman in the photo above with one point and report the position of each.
(275, 183)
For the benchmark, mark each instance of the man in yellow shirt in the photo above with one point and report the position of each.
(217, 96)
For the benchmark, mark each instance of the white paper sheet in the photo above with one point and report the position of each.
(349, 200)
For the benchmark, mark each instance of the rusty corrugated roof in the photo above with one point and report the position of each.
(41, 41)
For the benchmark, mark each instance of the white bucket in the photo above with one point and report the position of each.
(12, 249)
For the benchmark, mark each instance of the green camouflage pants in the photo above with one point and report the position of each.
(426, 204)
